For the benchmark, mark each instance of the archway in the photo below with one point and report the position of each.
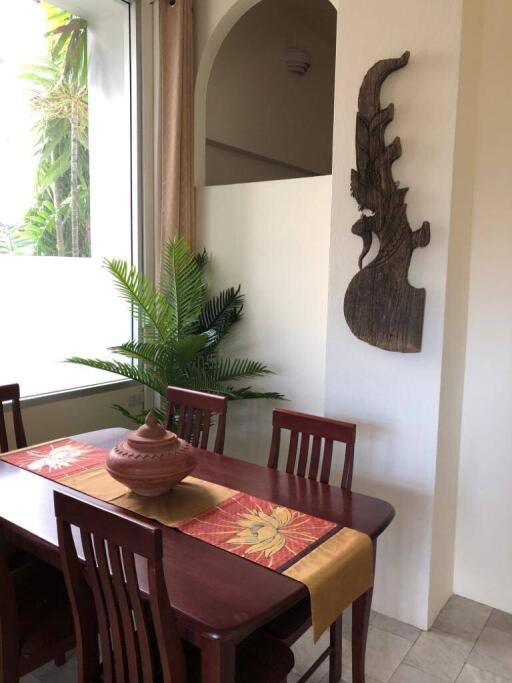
(256, 117)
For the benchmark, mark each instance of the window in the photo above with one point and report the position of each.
(66, 187)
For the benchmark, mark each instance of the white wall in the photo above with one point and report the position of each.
(483, 561)
(273, 239)
(455, 316)
(393, 397)
(255, 104)
(409, 408)
(57, 418)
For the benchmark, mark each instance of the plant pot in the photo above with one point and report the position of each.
(151, 460)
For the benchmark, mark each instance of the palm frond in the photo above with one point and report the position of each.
(181, 286)
(146, 352)
(141, 375)
(223, 308)
(247, 392)
(150, 306)
(139, 418)
(232, 369)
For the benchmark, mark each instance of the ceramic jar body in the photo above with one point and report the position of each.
(151, 460)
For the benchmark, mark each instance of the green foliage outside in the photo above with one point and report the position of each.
(58, 223)
(181, 330)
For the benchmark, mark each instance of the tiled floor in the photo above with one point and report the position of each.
(469, 643)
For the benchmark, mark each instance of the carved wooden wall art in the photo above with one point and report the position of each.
(381, 307)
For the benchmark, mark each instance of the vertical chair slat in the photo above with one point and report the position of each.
(116, 634)
(125, 611)
(326, 461)
(207, 418)
(82, 605)
(19, 431)
(4, 446)
(189, 417)
(221, 433)
(11, 393)
(101, 611)
(292, 453)
(140, 621)
(303, 457)
(180, 421)
(273, 458)
(315, 457)
(349, 466)
(198, 423)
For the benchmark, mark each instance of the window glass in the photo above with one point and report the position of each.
(65, 188)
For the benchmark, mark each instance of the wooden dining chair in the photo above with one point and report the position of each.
(190, 416)
(315, 452)
(36, 625)
(310, 454)
(11, 393)
(139, 637)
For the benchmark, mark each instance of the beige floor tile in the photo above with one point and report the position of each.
(493, 652)
(470, 674)
(384, 652)
(306, 651)
(500, 620)
(440, 654)
(408, 674)
(462, 617)
(399, 628)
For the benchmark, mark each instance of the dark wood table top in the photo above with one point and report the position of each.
(213, 591)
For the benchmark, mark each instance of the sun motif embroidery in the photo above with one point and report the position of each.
(58, 458)
(268, 533)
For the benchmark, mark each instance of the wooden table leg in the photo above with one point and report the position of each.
(218, 661)
(360, 620)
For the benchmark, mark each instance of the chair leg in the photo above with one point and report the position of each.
(335, 653)
(60, 660)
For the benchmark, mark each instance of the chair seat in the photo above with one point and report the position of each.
(259, 659)
(292, 623)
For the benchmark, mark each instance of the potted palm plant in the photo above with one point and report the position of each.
(181, 329)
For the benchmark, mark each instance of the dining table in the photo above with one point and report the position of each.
(219, 598)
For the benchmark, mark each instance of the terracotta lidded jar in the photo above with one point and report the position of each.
(151, 460)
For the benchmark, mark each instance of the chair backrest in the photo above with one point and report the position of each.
(319, 431)
(105, 595)
(11, 392)
(190, 416)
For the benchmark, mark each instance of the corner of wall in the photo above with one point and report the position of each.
(456, 313)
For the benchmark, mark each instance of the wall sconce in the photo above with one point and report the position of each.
(298, 60)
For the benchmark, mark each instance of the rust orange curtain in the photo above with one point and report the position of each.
(176, 129)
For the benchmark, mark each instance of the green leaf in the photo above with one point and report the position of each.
(145, 377)
(149, 305)
(139, 418)
(222, 310)
(181, 286)
(231, 369)
(187, 348)
(153, 354)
